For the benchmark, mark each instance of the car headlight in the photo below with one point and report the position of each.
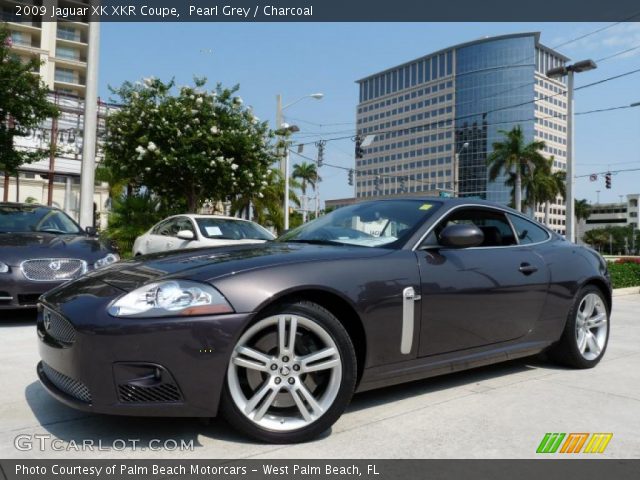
(170, 298)
(108, 260)
(4, 268)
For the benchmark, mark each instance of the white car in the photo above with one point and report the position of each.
(193, 231)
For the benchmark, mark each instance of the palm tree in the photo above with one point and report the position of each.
(544, 186)
(307, 173)
(514, 156)
(582, 209)
(267, 205)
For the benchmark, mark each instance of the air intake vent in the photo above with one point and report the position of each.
(162, 393)
(68, 385)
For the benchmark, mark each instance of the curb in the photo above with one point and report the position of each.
(619, 292)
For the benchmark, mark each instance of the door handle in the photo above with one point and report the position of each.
(527, 269)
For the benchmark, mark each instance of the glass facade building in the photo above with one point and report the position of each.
(457, 102)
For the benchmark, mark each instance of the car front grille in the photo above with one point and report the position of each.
(162, 393)
(58, 327)
(53, 269)
(68, 385)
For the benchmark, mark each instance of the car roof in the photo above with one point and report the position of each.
(196, 215)
(446, 201)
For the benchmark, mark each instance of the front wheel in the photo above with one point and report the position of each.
(586, 333)
(290, 375)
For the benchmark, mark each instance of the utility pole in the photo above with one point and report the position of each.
(52, 154)
(88, 172)
(278, 127)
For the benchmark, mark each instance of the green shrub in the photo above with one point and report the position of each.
(625, 274)
(130, 217)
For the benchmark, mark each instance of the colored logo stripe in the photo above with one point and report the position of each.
(574, 443)
(598, 442)
(550, 443)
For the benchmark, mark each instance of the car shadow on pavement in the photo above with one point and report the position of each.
(463, 378)
(71, 425)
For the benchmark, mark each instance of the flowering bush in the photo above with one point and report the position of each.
(188, 147)
(629, 260)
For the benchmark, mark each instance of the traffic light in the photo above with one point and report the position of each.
(607, 180)
(350, 177)
(359, 149)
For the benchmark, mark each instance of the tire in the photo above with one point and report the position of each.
(584, 339)
(277, 392)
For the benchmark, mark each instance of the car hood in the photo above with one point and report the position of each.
(207, 264)
(16, 247)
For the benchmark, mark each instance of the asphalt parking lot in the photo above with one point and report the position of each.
(502, 411)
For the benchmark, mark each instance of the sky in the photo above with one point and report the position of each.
(298, 59)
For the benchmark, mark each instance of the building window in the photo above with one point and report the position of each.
(68, 52)
(68, 33)
(66, 75)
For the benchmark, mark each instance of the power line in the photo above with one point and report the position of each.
(614, 55)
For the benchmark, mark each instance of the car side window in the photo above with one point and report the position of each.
(494, 225)
(167, 228)
(527, 231)
(185, 223)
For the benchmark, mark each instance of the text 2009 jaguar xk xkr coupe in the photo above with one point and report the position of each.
(279, 336)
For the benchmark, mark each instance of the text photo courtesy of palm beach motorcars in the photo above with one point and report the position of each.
(232, 240)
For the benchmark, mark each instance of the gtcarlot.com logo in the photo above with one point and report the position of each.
(45, 442)
(574, 442)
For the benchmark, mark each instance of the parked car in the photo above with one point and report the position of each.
(193, 231)
(40, 248)
(277, 337)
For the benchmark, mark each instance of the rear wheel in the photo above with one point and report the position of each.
(586, 333)
(290, 375)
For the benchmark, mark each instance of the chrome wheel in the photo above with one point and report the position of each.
(591, 326)
(285, 372)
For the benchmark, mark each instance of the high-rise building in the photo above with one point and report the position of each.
(444, 111)
(62, 47)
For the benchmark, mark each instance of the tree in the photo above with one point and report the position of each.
(582, 209)
(267, 207)
(188, 147)
(544, 186)
(614, 240)
(23, 106)
(308, 175)
(513, 156)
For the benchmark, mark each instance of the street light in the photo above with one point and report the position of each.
(280, 109)
(456, 173)
(284, 131)
(568, 71)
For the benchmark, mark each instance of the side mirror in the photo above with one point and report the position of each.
(461, 236)
(91, 231)
(186, 235)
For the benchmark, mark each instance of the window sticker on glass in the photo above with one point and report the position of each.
(213, 231)
(426, 206)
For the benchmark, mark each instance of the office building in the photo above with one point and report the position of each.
(454, 103)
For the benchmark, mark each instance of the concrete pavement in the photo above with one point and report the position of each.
(501, 411)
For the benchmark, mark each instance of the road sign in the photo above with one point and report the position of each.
(446, 194)
(593, 177)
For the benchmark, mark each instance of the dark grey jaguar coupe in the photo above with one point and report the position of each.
(279, 336)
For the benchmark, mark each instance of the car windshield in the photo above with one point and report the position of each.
(36, 218)
(370, 224)
(228, 229)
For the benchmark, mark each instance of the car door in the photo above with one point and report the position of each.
(482, 295)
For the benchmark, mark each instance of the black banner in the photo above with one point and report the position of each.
(321, 469)
(323, 11)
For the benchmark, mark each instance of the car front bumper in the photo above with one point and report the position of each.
(17, 292)
(144, 367)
